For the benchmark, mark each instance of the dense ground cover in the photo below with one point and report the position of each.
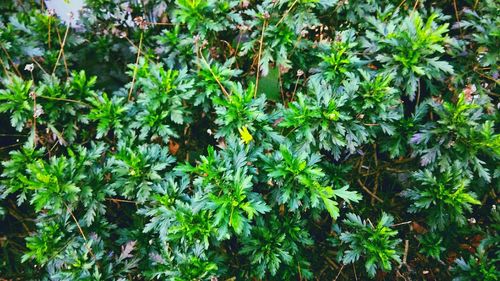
(250, 140)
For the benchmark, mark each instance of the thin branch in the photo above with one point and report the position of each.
(49, 23)
(354, 269)
(10, 146)
(35, 138)
(7, 73)
(369, 192)
(401, 223)
(68, 100)
(377, 175)
(81, 231)
(136, 67)
(121, 200)
(61, 50)
(161, 23)
(457, 17)
(295, 89)
(400, 4)
(405, 255)
(43, 69)
(213, 74)
(258, 58)
(497, 81)
(414, 9)
(11, 61)
(14, 213)
(286, 13)
(12, 135)
(63, 54)
(338, 274)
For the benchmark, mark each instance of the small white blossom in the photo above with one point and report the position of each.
(38, 111)
(29, 67)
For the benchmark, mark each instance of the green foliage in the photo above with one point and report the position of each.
(301, 183)
(227, 190)
(462, 132)
(15, 100)
(376, 244)
(246, 140)
(276, 245)
(410, 47)
(161, 101)
(43, 246)
(444, 198)
(136, 169)
(431, 245)
(478, 267)
(108, 113)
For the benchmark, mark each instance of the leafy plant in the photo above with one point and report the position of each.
(444, 198)
(162, 102)
(242, 140)
(465, 133)
(431, 245)
(410, 47)
(137, 170)
(108, 113)
(375, 243)
(299, 182)
(272, 246)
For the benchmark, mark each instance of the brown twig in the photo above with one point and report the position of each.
(80, 230)
(10, 145)
(261, 42)
(286, 13)
(13, 212)
(213, 74)
(414, 9)
(497, 81)
(11, 61)
(135, 67)
(63, 54)
(405, 257)
(400, 4)
(457, 17)
(375, 186)
(7, 73)
(160, 23)
(48, 33)
(355, 274)
(329, 261)
(43, 69)
(369, 192)
(68, 100)
(121, 200)
(295, 89)
(35, 138)
(401, 223)
(12, 135)
(338, 274)
(61, 50)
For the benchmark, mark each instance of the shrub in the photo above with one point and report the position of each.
(249, 140)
